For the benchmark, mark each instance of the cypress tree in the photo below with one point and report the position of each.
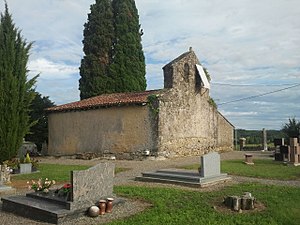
(128, 67)
(114, 60)
(98, 41)
(16, 93)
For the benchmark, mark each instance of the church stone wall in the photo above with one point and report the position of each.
(125, 132)
(188, 124)
(225, 134)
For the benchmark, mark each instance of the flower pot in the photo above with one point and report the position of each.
(25, 168)
(109, 205)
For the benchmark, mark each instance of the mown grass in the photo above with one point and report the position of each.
(262, 168)
(174, 206)
(51, 171)
(55, 172)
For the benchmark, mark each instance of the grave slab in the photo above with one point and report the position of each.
(88, 187)
(210, 174)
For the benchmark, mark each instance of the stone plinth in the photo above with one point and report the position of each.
(249, 159)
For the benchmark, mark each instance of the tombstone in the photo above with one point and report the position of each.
(27, 147)
(44, 150)
(294, 152)
(264, 140)
(209, 174)
(242, 143)
(88, 187)
(210, 165)
(278, 141)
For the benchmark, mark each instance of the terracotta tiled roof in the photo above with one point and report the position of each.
(106, 100)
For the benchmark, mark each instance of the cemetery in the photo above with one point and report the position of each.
(92, 189)
(125, 154)
(207, 187)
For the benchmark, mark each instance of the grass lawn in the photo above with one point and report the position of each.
(262, 168)
(51, 171)
(56, 172)
(174, 206)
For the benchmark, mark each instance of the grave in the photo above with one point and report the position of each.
(209, 174)
(294, 152)
(88, 187)
(237, 203)
(289, 153)
(264, 140)
(5, 179)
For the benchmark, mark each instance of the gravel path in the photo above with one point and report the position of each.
(127, 178)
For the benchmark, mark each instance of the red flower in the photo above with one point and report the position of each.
(67, 186)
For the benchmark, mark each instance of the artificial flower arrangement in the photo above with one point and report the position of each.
(42, 185)
(64, 192)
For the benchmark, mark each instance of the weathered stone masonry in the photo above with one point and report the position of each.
(188, 123)
(178, 120)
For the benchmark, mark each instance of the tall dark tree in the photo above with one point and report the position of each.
(97, 46)
(128, 67)
(114, 60)
(39, 131)
(292, 128)
(16, 92)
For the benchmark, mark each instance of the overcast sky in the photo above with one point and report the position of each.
(249, 48)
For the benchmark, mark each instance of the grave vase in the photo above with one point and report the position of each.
(25, 168)
(102, 207)
(109, 205)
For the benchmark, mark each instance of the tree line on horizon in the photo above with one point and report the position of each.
(291, 129)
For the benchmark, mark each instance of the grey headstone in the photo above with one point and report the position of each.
(210, 165)
(90, 185)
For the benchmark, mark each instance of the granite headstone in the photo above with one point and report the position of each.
(210, 165)
(90, 185)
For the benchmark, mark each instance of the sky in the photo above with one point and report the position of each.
(250, 48)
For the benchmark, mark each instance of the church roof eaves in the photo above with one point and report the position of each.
(106, 100)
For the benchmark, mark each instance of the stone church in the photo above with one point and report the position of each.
(179, 120)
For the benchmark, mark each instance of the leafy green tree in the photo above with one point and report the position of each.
(39, 131)
(128, 67)
(16, 92)
(292, 128)
(98, 41)
(114, 60)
